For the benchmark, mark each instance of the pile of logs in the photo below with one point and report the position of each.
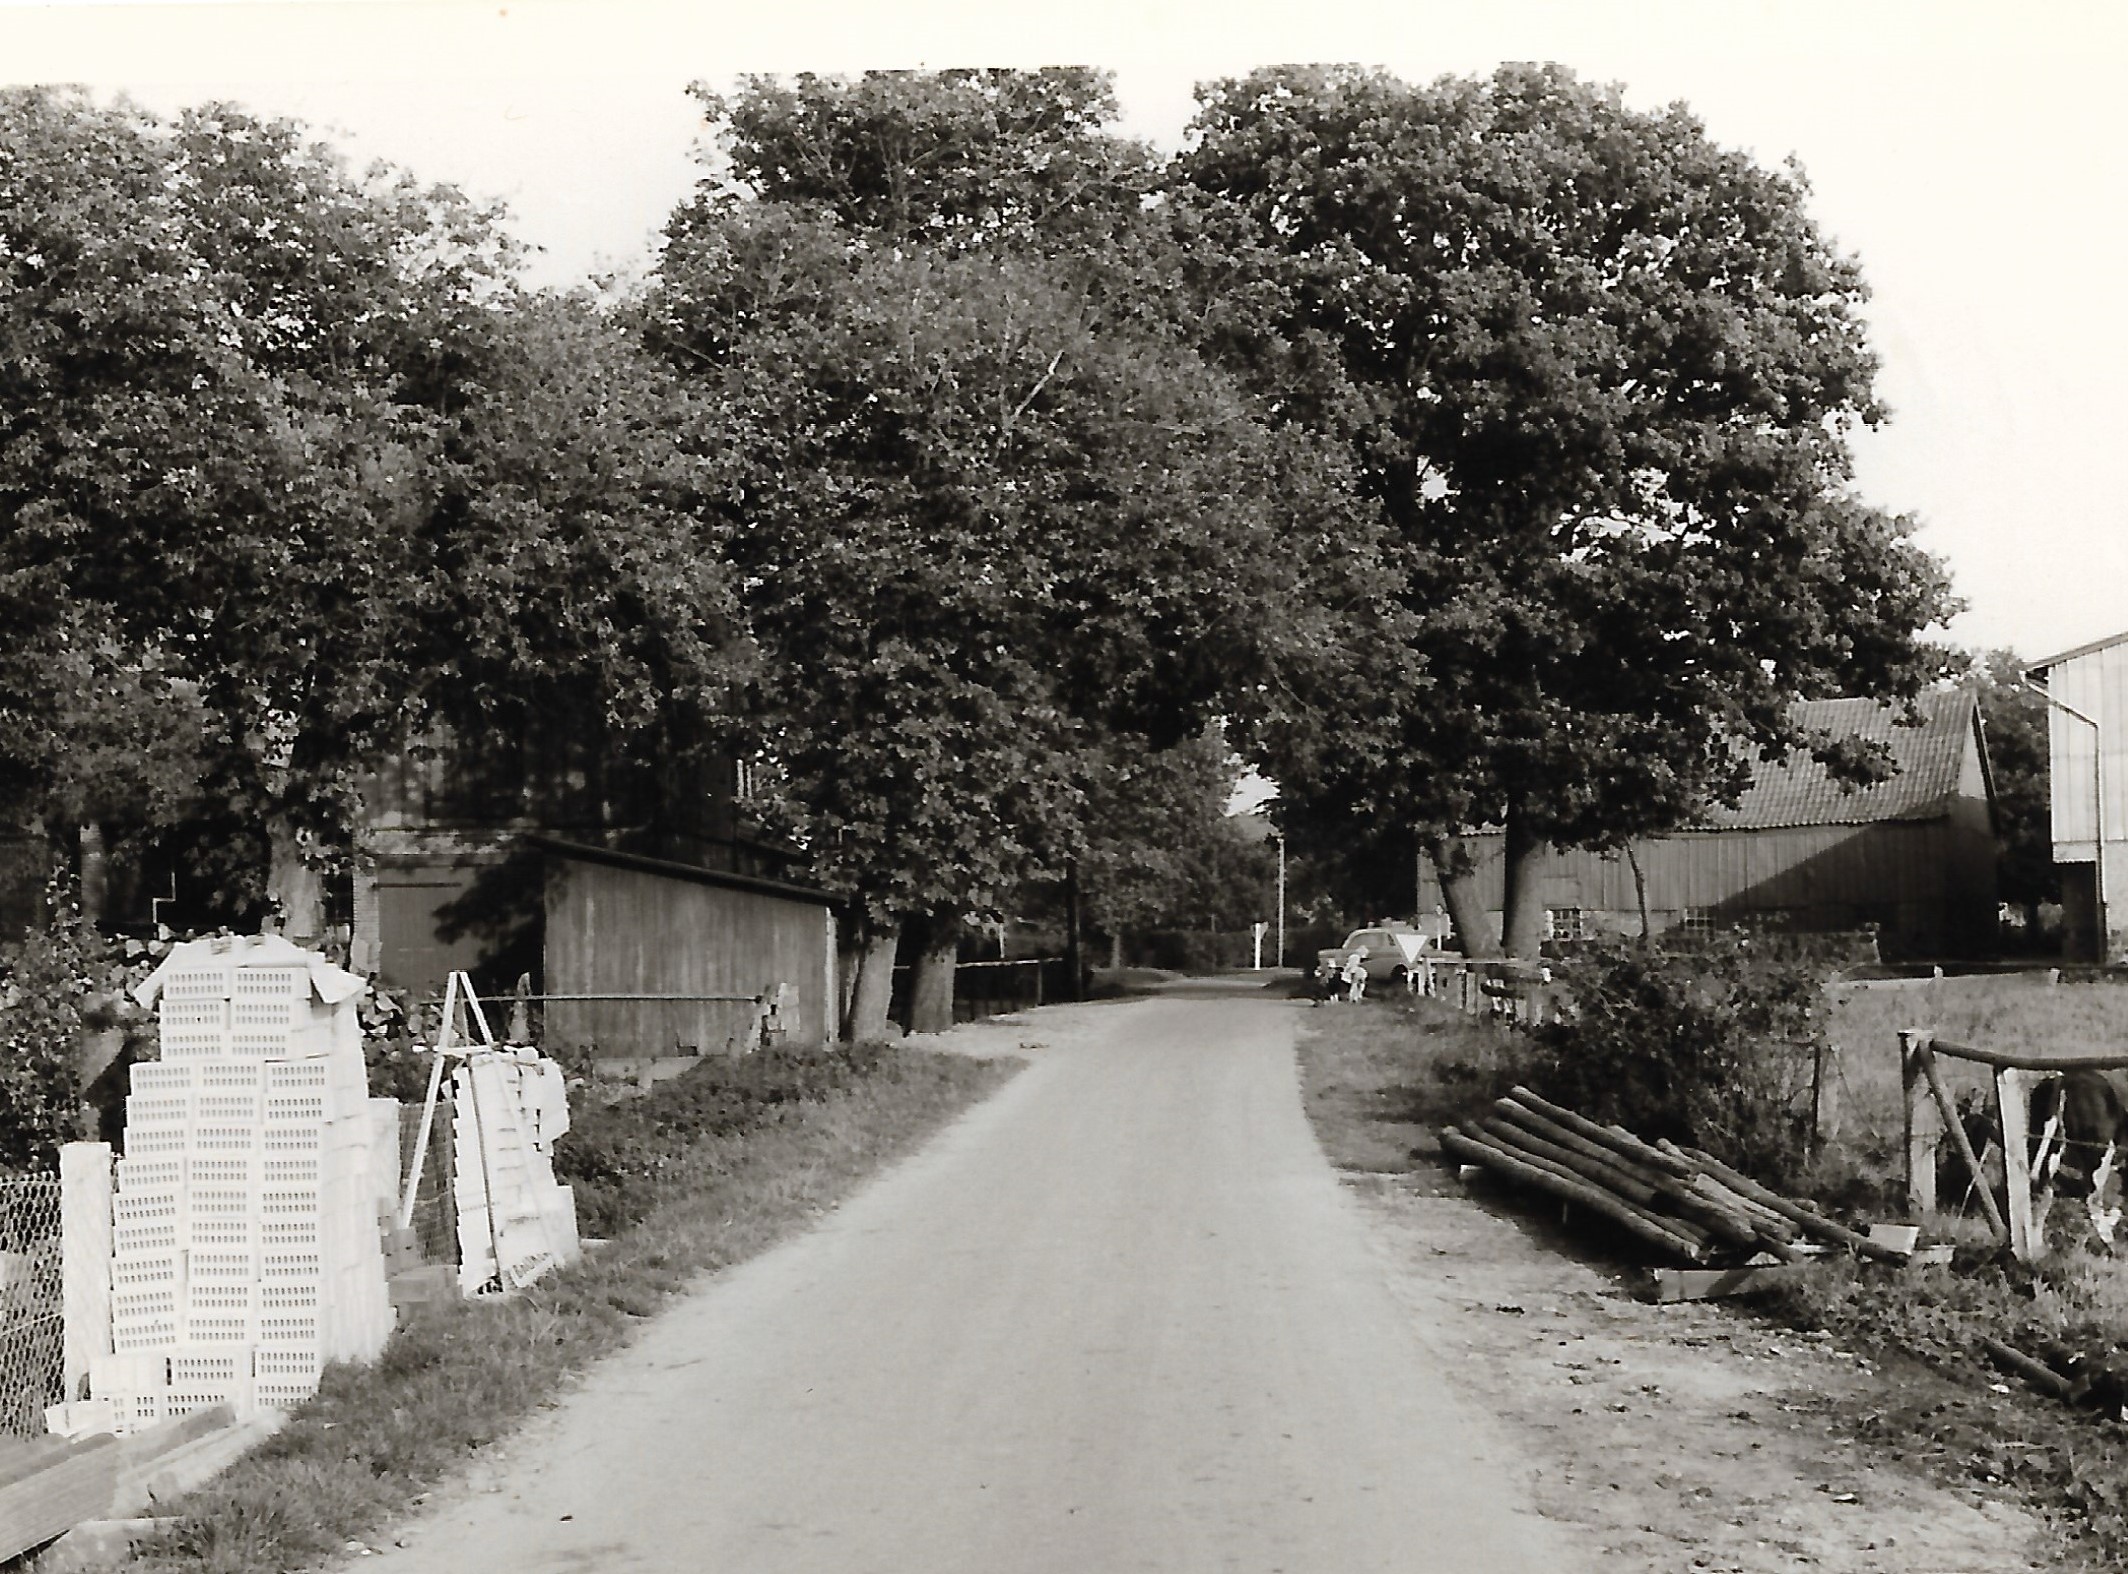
(1680, 1200)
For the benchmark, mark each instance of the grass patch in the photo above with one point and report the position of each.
(1382, 1077)
(702, 1172)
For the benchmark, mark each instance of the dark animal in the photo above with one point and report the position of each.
(2078, 1119)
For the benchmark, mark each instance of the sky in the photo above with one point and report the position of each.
(1973, 157)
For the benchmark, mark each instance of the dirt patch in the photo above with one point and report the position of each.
(1701, 1436)
(1677, 1437)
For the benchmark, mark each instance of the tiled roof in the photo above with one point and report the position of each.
(1799, 791)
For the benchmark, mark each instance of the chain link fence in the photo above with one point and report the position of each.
(32, 1319)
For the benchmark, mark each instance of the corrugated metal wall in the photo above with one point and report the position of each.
(2096, 684)
(616, 930)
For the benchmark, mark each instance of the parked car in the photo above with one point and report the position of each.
(1388, 950)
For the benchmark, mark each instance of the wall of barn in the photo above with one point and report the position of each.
(612, 929)
(1929, 885)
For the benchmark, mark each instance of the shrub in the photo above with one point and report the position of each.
(49, 987)
(1712, 1049)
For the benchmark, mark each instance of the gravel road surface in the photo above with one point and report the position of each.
(1121, 1317)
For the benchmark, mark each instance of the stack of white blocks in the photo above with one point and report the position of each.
(515, 1223)
(246, 1250)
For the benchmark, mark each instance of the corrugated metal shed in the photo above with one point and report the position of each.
(1800, 791)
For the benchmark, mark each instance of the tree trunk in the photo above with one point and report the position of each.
(1522, 920)
(873, 992)
(1640, 894)
(1115, 951)
(1458, 875)
(931, 989)
(95, 874)
(294, 891)
(1072, 968)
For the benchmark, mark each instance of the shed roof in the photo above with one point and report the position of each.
(1800, 791)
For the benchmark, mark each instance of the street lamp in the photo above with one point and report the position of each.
(2098, 811)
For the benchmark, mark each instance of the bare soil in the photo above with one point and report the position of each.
(1697, 1436)
(1692, 1436)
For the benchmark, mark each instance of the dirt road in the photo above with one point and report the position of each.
(1122, 1317)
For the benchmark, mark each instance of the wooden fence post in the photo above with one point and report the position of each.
(2013, 1102)
(1924, 1124)
(84, 1259)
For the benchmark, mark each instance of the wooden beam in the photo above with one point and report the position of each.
(1961, 1142)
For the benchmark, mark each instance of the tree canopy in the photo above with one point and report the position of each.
(1599, 374)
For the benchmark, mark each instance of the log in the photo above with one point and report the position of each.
(1552, 1131)
(1614, 1137)
(1768, 1228)
(1771, 1225)
(1609, 1176)
(2044, 1378)
(1812, 1224)
(1570, 1187)
(1730, 1222)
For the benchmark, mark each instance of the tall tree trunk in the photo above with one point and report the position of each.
(95, 873)
(1458, 874)
(294, 890)
(1640, 894)
(1115, 951)
(1522, 919)
(931, 988)
(873, 992)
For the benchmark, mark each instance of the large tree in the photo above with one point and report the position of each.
(293, 441)
(987, 516)
(1599, 374)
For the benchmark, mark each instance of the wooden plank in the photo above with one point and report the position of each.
(1705, 1284)
(77, 1485)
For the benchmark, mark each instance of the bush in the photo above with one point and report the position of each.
(1712, 1049)
(623, 1157)
(52, 989)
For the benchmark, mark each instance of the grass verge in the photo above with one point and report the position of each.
(1379, 1078)
(703, 1172)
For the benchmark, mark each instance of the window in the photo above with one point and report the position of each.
(1698, 923)
(1566, 923)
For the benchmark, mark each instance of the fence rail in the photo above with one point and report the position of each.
(1932, 1118)
(32, 1316)
(1518, 992)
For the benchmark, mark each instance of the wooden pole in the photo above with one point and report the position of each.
(2013, 1106)
(1812, 1224)
(1923, 1128)
(1961, 1142)
(84, 1260)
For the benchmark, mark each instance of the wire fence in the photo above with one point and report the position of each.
(32, 1316)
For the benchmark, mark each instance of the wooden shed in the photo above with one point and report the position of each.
(620, 924)
(546, 861)
(2087, 760)
(1913, 856)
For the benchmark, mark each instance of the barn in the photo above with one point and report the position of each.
(1912, 857)
(2087, 760)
